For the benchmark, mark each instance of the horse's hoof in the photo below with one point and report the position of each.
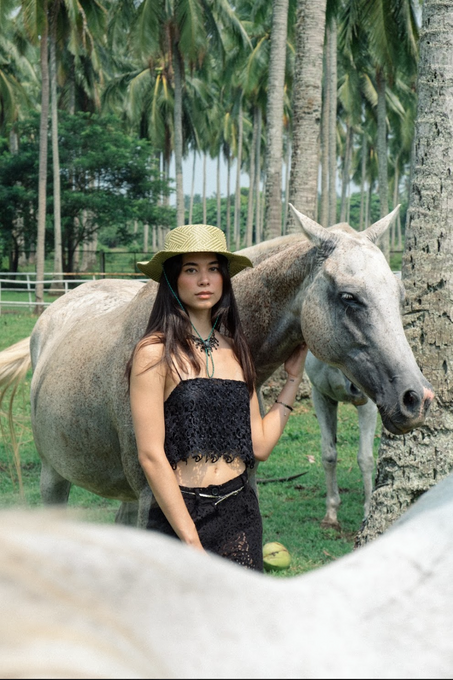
(330, 524)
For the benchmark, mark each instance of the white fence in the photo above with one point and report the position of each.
(25, 283)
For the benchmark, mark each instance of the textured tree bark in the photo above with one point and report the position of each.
(324, 217)
(307, 96)
(332, 88)
(411, 464)
(274, 136)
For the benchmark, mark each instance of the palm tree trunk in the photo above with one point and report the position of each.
(258, 180)
(58, 254)
(274, 118)
(396, 180)
(204, 189)
(324, 219)
(363, 179)
(348, 201)
(332, 86)
(307, 99)
(287, 167)
(178, 137)
(382, 157)
(193, 187)
(368, 206)
(345, 177)
(249, 229)
(42, 181)
(219, 199)
(228, 199)
(237, 198)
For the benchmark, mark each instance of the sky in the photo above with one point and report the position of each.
(211, 177)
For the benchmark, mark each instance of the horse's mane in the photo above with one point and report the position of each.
(266, 249)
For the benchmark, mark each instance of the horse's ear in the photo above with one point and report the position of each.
(312, 230)
(378, 228)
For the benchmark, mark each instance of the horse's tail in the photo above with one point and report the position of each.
(14, 364)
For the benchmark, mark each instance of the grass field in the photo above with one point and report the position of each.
(292, 511)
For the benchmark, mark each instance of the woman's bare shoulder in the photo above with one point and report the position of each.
(149, 352)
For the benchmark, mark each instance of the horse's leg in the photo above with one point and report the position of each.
(367, 414)
(326, 412)
(54, 488)
(127, 514)
(143, 506)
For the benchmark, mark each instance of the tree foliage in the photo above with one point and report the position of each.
(108, 178)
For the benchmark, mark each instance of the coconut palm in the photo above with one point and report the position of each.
(387, 31)
(310, 25)
(187, 32)
(18, 81)
(408, 466)
(274, 119)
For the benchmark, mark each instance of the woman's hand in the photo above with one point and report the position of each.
(294, 365)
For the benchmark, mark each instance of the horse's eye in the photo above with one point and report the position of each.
(347, 297)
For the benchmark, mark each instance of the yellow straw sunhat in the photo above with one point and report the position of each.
(193, 238)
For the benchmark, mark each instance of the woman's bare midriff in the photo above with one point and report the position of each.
(204, 473)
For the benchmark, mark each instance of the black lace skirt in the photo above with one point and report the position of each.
(227, 518)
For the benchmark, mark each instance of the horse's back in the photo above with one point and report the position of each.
(79, 403)
(89, 300)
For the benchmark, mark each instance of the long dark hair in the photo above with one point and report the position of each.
(170, 324)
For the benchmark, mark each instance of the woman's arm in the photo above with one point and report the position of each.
(147, 390)
(267, 431)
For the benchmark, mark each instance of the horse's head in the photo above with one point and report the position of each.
(351, 319)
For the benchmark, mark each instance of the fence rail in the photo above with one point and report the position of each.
(23, 285)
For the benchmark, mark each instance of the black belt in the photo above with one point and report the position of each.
(209, 495)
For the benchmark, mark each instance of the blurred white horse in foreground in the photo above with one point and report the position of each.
(89, 601)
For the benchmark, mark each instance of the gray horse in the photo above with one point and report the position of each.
(329, 387)
(335, 291)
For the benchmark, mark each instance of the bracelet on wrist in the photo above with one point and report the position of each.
(283, 404)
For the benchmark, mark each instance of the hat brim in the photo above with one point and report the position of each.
(153, 268)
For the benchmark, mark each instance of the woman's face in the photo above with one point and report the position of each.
(200, 283)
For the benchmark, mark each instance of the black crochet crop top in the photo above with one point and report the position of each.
(208, 418)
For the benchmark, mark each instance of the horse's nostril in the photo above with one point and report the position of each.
(411, 399)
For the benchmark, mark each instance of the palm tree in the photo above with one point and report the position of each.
(274, 118)
(18, 81)
(188, 32)
(310, 25)
(408, 466)
(387, 32)
(331, 76)
(35, 15)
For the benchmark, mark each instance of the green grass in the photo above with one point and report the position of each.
(292, 511)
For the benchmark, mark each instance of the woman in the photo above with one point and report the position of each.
(194, 406)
